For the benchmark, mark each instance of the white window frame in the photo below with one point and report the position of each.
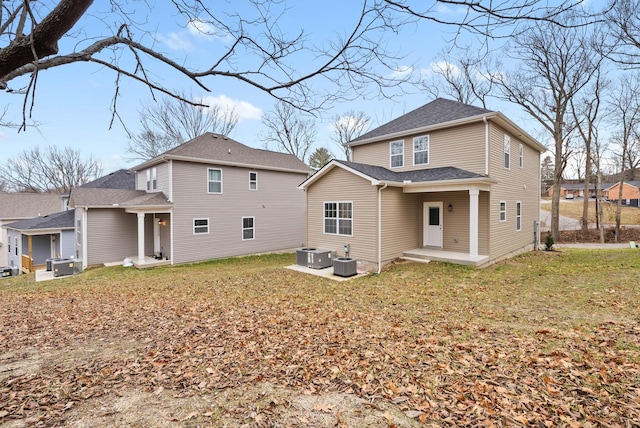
(196, 226)
(507, 152)
(337, 218)
(253, 183)
(392, 155)
(521, 155)
(518, 215)
(415, 152)
(148, 174)
(503, 211)
(252, 228)
(214, 181)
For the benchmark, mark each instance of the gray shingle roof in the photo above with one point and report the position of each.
(215, 147)
(91, 197)
(59, 220)
(436, 112)
(28, 205)
(120, 179)
(415, 176)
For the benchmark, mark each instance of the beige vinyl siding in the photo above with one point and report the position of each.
(455, 224)
(162, 177)
(278, 207)
(515, 184)
(340, 185)
(401, 222)
(113, 243)
(462, 147)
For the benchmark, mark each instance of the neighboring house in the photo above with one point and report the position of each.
(22, 206)
(208, 198)
(630, 193)
(447, 181)
(31, 242)
(577, 190)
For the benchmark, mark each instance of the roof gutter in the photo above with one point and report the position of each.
(218, 162)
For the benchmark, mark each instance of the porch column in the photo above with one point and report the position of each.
(141, 237)
(473, 222)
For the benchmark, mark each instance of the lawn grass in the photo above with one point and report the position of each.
(573, 209)
(544, 338)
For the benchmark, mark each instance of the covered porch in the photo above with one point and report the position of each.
(427, 254)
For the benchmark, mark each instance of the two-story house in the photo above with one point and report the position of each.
(447, 181)
(208, 198)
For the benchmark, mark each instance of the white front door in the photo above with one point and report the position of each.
(432, 224)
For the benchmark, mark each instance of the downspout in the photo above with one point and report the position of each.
(380, 189)
(486, 145)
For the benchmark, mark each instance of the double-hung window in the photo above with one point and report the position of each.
(521, 155)
(214, 180)
(248, 228)
(421, 150)
(200, 226)
(503, 211)
(507, 151)
(338, 218)
(396, 149)
(253, 181)
(518, 215)
(152, 179)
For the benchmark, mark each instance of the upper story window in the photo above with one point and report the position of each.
(421, 150)
(338, 218)
(214, 180)
(397, 153)
(521, 155)
(518, 215)
(200, 226)
(503, 211)
(152, 179)
(253, 181)
(507, 151)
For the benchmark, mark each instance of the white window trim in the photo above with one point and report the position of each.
(518, 216)
(421, 151)
(211, 181)
(337, 217)
(521, 155)
(208, 226)
(507, 152)
(501, 217)
(148, 174)
(391, 155)
(253, 181)
(253, 228)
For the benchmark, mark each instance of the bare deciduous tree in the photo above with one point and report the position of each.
(170, 122)
(288, 131)
(623, 20)
(52, 169)
(624, 113)
(40, 35)
(347, 127)
(462, 78)
(554, 65)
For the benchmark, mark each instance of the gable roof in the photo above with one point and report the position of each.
(59, 220)
(15, 206)
(120, 179)
(222, 150)
(379, 175)
(438, 114)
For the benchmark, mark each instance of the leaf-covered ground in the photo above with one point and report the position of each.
(545, 339)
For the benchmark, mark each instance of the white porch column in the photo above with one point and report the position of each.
(473, 222)
(141, 237)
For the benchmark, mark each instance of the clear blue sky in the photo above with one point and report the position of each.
(73, 102)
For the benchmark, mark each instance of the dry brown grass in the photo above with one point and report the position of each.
(544, 339)
(573, 209)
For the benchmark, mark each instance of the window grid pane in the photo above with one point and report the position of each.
(338, 218)
(421, 150)
(397, 154)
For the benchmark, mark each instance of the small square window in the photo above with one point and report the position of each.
(200, 226)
